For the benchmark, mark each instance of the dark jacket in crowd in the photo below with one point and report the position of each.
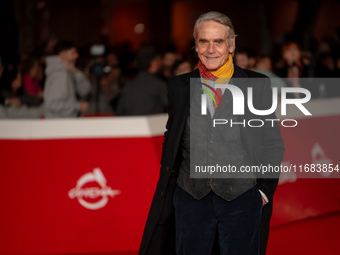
(24, 97)
(145, 94)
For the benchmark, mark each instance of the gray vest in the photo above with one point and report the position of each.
(211, 145)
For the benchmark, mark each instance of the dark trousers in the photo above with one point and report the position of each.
(237, 223)
(265, 225)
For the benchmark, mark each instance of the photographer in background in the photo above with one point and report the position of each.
(63, 83)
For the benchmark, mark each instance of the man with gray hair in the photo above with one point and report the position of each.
(191, 210)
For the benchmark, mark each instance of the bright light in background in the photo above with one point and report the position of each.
(139, 28)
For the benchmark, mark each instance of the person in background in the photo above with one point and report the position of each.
(169, 58)
(112, 59)
(146, 93)
(293, 64)
(10, 84)
(245, 59)
(241, 59)
(12, 92)
(181, 66)
(263, 65)
(32, 74)
(294, 68)
(251, 59)
(326, 72)
(108, 93)
(113, 87)
(63, 83)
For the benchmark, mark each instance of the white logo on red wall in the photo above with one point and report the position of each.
(319, 157)
(92, 192)
(286, 177)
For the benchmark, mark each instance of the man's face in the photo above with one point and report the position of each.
(212, 44)
(70, 55)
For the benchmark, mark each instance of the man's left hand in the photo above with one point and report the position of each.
(263, 200)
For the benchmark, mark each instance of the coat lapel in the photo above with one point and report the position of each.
(187, 92)
(181, 111)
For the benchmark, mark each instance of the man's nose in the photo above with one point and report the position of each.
(211, 48)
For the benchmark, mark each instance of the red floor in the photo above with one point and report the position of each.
(320, 236)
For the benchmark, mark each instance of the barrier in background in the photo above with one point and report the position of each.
(77, 185)
(85, 185)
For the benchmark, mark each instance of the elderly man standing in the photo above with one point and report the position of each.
(186, 213)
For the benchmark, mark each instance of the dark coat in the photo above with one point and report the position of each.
(263, 145)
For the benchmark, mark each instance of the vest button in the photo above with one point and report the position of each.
(162, 194)
(168, 169)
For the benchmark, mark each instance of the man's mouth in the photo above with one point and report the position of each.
(211, 58)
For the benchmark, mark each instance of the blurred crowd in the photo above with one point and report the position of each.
(60, 80)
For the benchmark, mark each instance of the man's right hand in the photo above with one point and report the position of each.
(83, 105)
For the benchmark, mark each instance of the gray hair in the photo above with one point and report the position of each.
(217, 17)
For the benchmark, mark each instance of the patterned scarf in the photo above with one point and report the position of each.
(220, 76)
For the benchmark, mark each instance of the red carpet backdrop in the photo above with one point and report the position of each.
(72, 186)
